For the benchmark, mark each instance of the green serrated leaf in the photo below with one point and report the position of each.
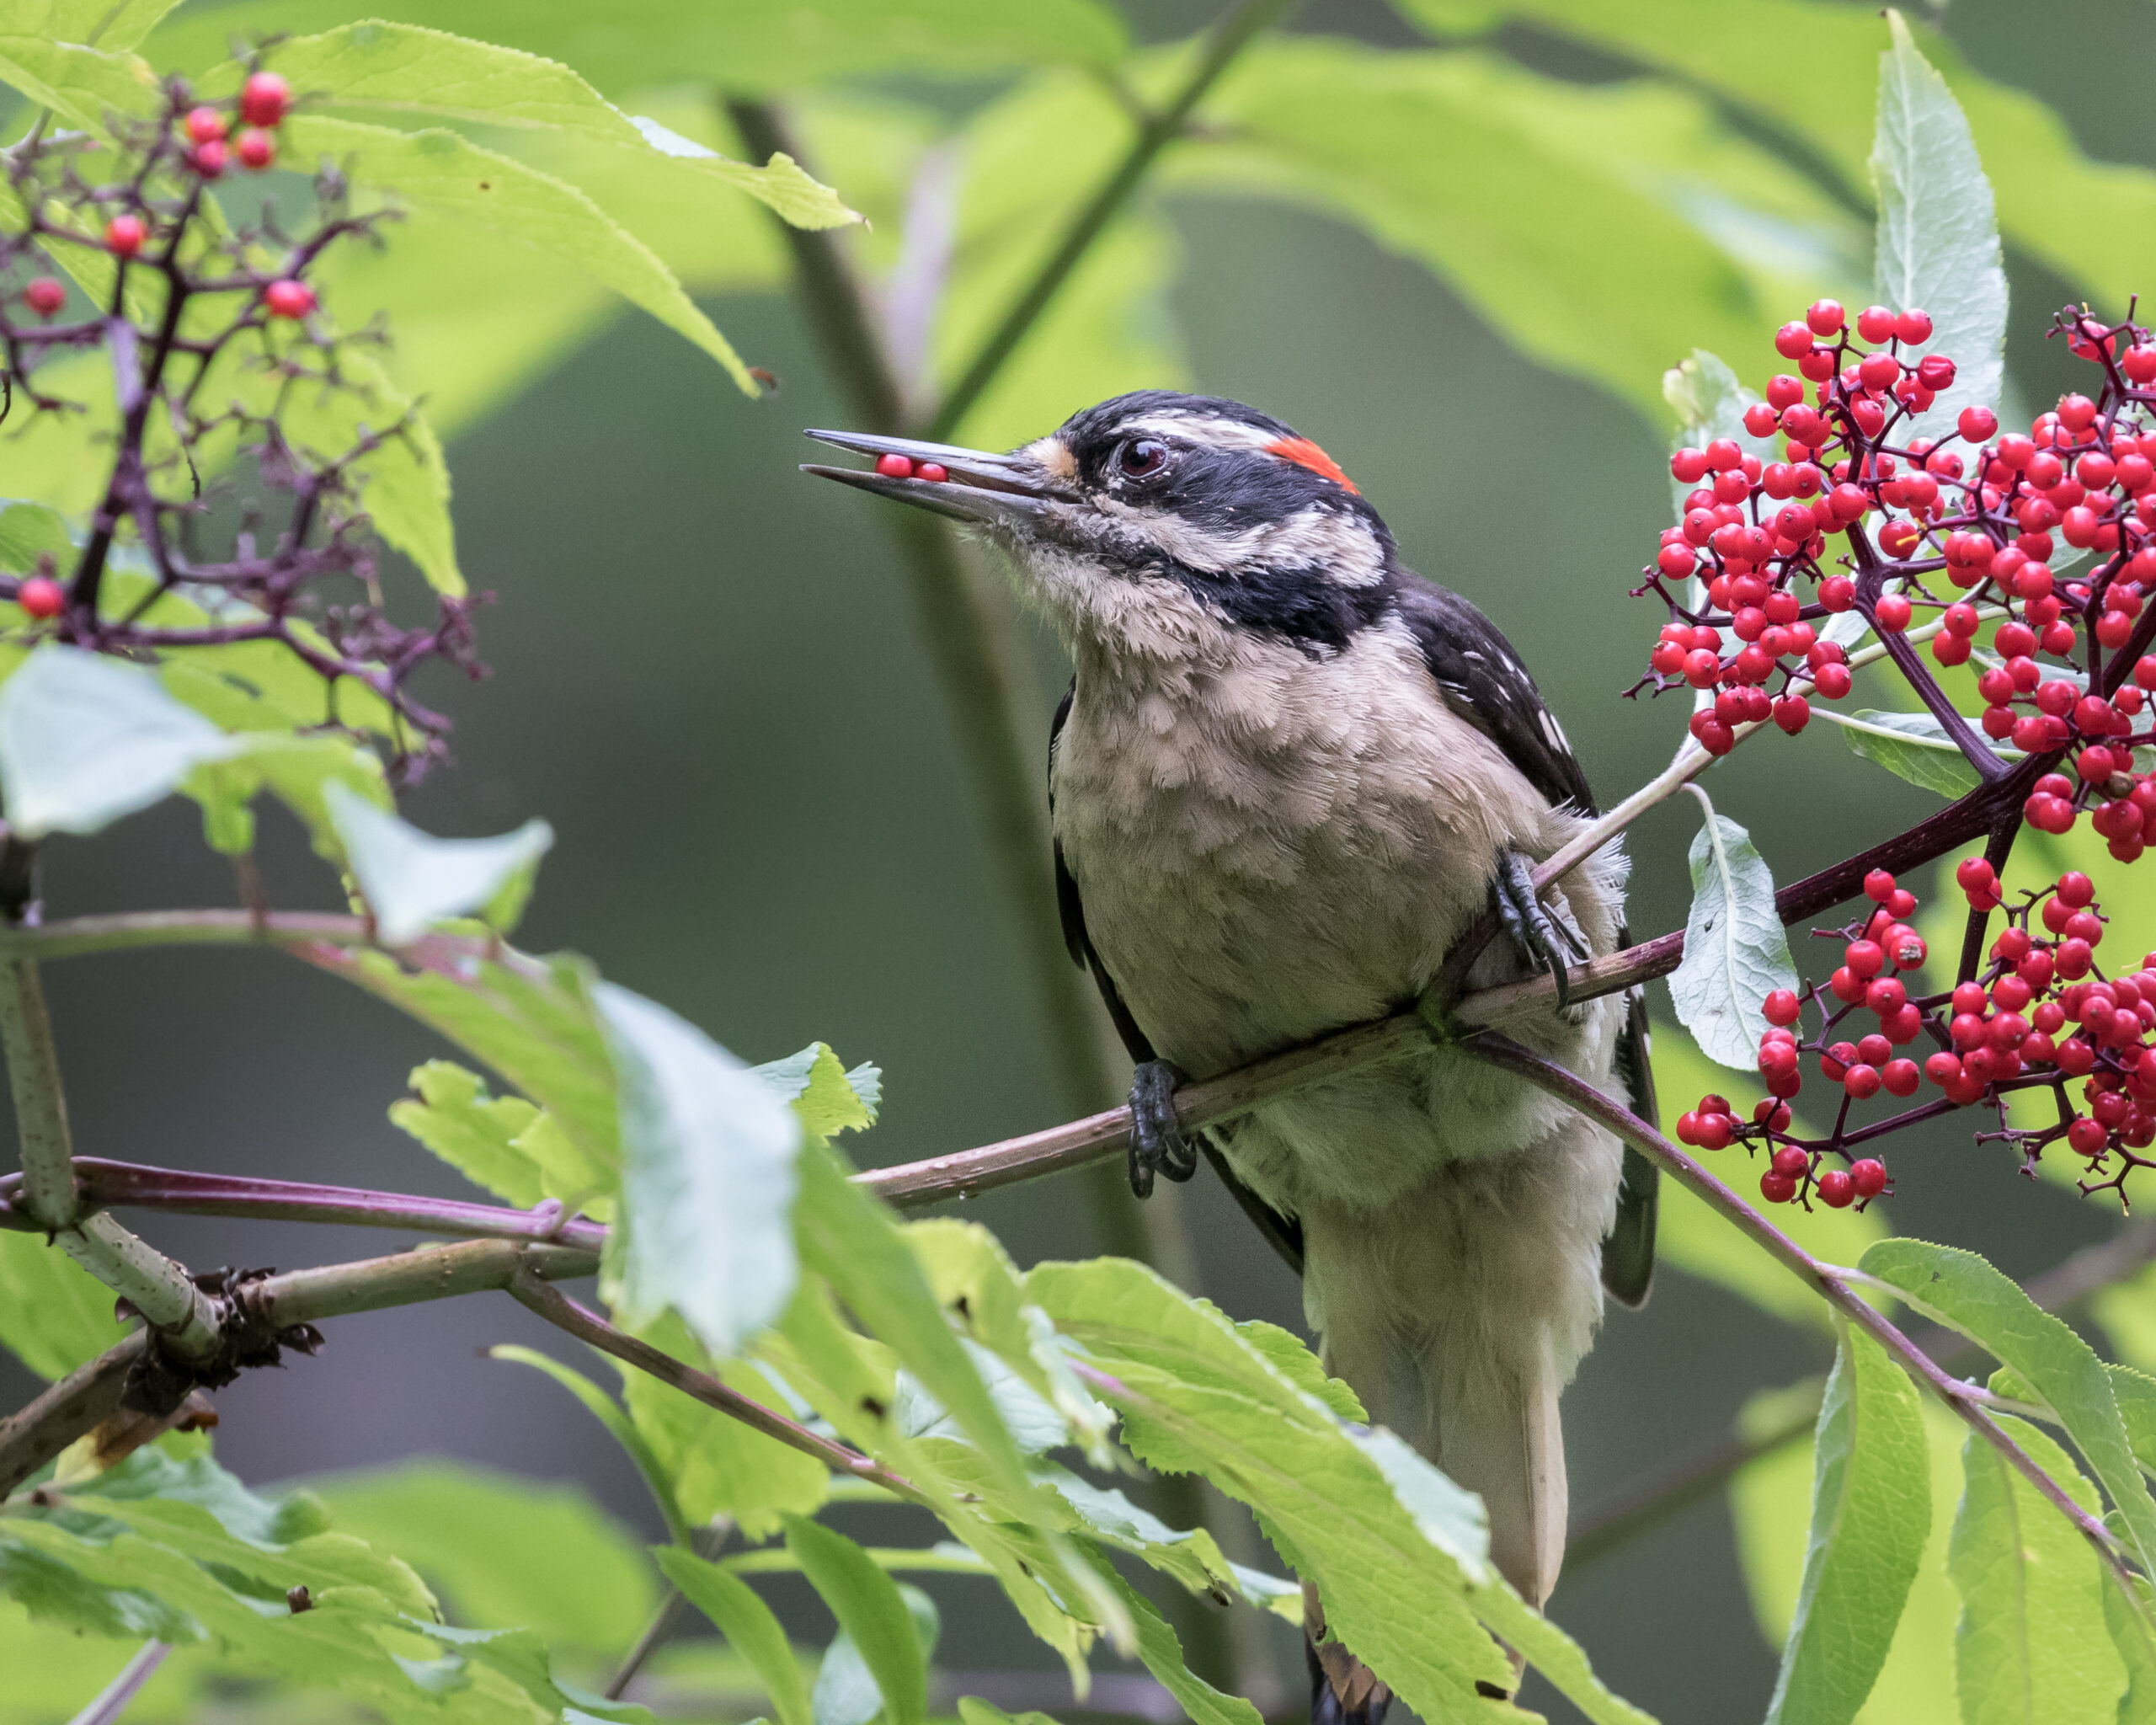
(748, 1623)
(44, 54)
(1961, 1289)
(502, 1550)
(1871, 1514)
(54, 1315)
(450, 174)
(871, 1611)
(1735, 953)
(413, 880)
(2028, 1648)
(717, 1465)
(607, 1412)
(822, 1092)
(1161, 1651)
(708, 1176)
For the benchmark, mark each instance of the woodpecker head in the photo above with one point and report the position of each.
(1161, 511)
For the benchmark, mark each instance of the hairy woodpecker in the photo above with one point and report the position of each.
(1288, 775)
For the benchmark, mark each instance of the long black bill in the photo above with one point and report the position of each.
(996, 490)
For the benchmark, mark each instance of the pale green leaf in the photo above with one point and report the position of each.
(503, 1551)
(608, 1412)
(823, 1092)
(1871, 1516)
(1161, 1651)
(871, 1611)
(450, 174)
(709, 1177)
(54, 1315)
(1911, 745)
(44, 54)
(1551, 1652)
(1735, 953)
(85, 740)
(846, 1692)
(413, 880)
(28, 531)
(1961, 1289)
(717, 1465)
(1938, 246)
(2028, 1650)
(747, 1622)
(749, 45)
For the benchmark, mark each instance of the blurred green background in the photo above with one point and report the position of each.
(706, 675)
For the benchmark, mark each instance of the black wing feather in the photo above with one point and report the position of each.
(1483, 681)
(1284, 1233)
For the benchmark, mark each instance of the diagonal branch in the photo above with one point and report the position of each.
(1509, 1055)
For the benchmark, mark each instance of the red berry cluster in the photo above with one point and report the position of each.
(2037, 1015)
(264, 100)
(1980, 517)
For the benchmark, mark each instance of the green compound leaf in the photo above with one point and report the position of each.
(412, 880)
(1736, 951)
(44, 54)
(1961, 1290)
(748, 1623)
(1871, 1514)
(451, 174)
(2027, 1649)
(871, 1611)
(1938, 245)
(708, 1175)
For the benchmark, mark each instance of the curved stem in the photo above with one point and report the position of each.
(1832, 1285)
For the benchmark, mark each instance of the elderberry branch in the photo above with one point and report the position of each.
(1832, 1283)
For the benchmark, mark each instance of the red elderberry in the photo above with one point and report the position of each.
(1836, 1188)
(934, 472)
(1789, 1163)
(205, 125)
(1868, 1177)
(256, 149)
(264, 99)
(208, 159)
(289, 297)
(40, 597)
(1893, 612)
(1782, 1007)
(895, 467)
(124, 235)
(1776, 1188)
(44, 296)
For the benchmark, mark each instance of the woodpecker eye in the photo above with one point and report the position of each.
(1142, 457)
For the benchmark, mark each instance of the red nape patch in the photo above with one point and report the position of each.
(1306, 454)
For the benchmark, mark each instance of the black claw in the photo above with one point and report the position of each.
(1539, 937)
(1156, 1141)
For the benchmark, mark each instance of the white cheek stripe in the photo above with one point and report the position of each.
(1336, 541)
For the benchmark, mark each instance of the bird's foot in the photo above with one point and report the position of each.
(1157, 1145)
(1543, 940)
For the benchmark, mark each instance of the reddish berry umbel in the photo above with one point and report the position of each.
(2038, 1014)
(1946, 538)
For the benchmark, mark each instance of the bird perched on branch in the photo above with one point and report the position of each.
(1290, 774)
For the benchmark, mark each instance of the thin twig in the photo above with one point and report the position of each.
(1678, 1480)
(113, 1700)
(706, 1542)
(1832, 1285)
(587, 1326)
